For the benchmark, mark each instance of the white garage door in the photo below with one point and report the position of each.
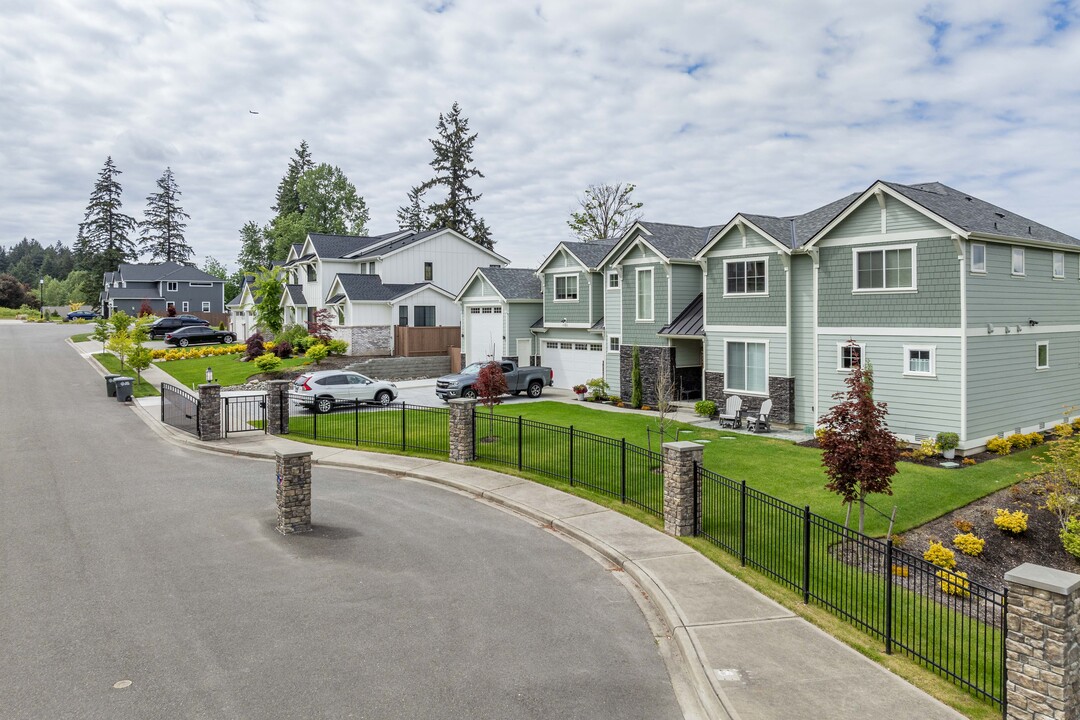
(484, 333)
(573, 362)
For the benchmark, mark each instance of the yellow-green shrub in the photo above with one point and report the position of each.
(927, 449)
(1020, 441)
(1035, 438)
(954, 582)
(1000, 446)
(940, 555)
(1063, 430)
(1014, 522)
(969, 544)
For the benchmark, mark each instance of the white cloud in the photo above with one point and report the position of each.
(710, 108)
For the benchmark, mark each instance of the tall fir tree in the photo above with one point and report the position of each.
(162, 229)
(453, 169)
(253, 248)
(411, 216)
(287, 199)
(104, 238)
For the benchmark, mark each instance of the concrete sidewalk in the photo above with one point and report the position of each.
(746, 656)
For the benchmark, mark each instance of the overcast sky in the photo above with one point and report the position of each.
(710, 108)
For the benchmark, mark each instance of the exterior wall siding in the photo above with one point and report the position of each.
(575, 311)
(758, 310)
(864, 220)
(900, 217)
(685, 286)
(644, 333)
(479, 289)
(519, 318)
(802, 337)
(453, 262)
(447, 312)
(935, 304)
(715, 343)
(998, 298)
(916, 405)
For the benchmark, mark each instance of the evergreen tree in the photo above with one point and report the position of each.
(287, 199)
(162, 229)
(104, 239)
(453, 169)
(253, 247)
(411, 216)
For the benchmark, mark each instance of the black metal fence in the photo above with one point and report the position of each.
(243, 413)
(400, 426)
(180, 409)
(612, 467)
(943, 620)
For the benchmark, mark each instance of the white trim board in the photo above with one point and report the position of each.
(879, 238)
(896, 332)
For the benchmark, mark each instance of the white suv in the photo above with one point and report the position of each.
(321, 390)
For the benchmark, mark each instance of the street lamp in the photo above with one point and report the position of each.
(41, 296)
(209, 376)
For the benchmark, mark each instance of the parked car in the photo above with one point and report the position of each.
(196, 334)
(531, 379)
(82, 315)
(321, 390)
(163, 326)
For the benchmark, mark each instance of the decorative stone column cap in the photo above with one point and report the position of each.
(1044, 578)
(462, 401)
(683, 445)
(209, 386)
(300, 454)
(279, 382)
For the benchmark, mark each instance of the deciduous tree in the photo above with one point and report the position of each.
(490, 386)
(268, 288)
(606, 211)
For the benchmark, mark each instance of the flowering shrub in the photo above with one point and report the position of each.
(1000, 446)
(969, 544)
(195, 352)
(940, 555)
(954, 582)
(1014, 522)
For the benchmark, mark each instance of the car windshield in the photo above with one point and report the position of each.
(473, 369)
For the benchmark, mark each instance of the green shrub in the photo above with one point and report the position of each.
(948, 440)
(268, 362)
(292, 332)
(927, 449)
(305, 343)
(317, 353)
(1015, 522)
(999, 446)
(969, 544)
(705, 408)
(1070, 537)
(337, 347)
(940, 555)
(599, 387)
(635, 378)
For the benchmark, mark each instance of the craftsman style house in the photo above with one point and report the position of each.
(162, 286)
(499, 309)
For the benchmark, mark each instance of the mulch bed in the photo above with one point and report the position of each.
(930, 462)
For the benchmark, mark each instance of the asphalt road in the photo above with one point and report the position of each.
(125, 558)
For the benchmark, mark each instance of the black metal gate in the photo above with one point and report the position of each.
(243, 413)
(180, 409)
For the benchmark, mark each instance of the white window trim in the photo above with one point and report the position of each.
(913, 247)
(908, 372)
(185, 306)
(555, 288)
(974, 269)
(1053, 265)
(206, 306)
(168, 304)
(732, 261)
(193, 284)
(840, 355)
(613, 276)
(1039, 344)
(759, 341)
(617, 339)
(1023, 262)
(637, 295)
(172, 286)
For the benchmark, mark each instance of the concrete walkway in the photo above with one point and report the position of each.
(746, 656)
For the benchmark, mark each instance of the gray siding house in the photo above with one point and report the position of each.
(162, 286)
(499, 307)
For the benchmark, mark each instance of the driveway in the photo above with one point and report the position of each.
(126, 558)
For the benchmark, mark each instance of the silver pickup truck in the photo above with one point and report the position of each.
(530, 379)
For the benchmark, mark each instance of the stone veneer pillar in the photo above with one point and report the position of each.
(679, 487)
(277, 407)
(294, 492)
(1042, 651)
(210, 412)
(462, 430)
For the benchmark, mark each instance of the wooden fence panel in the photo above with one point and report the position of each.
(424, 341)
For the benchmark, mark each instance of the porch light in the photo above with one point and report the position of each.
(209, 375)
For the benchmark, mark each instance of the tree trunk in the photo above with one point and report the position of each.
(862, 512)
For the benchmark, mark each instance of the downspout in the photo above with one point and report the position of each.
(816, 257)
(961, 256)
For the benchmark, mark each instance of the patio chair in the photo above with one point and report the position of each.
(761, 422)
(732, 415)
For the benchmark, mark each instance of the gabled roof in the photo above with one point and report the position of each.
(793, 231)
(690, 322)
(296, 294)
(334, 300)
(591, 254)
(396, 244)
(677, 242)
(154, 272)
(298, 260)
(370, 288)
(239, 299)
(514, 283)
(338, 246)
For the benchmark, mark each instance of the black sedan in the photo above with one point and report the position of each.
(82, 315)
(197, 334)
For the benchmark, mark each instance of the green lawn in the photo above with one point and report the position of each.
(792, 473)
(81, 337)
(112, 364)
(228, 370)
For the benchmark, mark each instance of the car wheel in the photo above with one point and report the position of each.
(183, 342)
(227, 339)
(383, 397)
(535, 388)
(468, 393)
(324, 405)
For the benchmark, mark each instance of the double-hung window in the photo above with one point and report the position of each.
(849, 355)
(920, 360)
(613, 343)
(1042, 355)
(613, 280)
(745, 277)
(172, 287)
(566, 288)
(1017, 261)
(746, 367)
(1059, 264)
(205, 306)
(888, 269)
(403, 315)
(185, 306)
(644, 278)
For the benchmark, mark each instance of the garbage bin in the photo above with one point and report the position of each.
(124, 388)
(110, 385)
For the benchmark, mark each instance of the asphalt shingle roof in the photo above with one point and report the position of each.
(794, 231)
(677, 242)
(370, 288)
(338, 246)
(515, 283)
(591, 254)
(134, 293)
(152, 272)
(296, 294)
(397, 244)
(691, 321)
